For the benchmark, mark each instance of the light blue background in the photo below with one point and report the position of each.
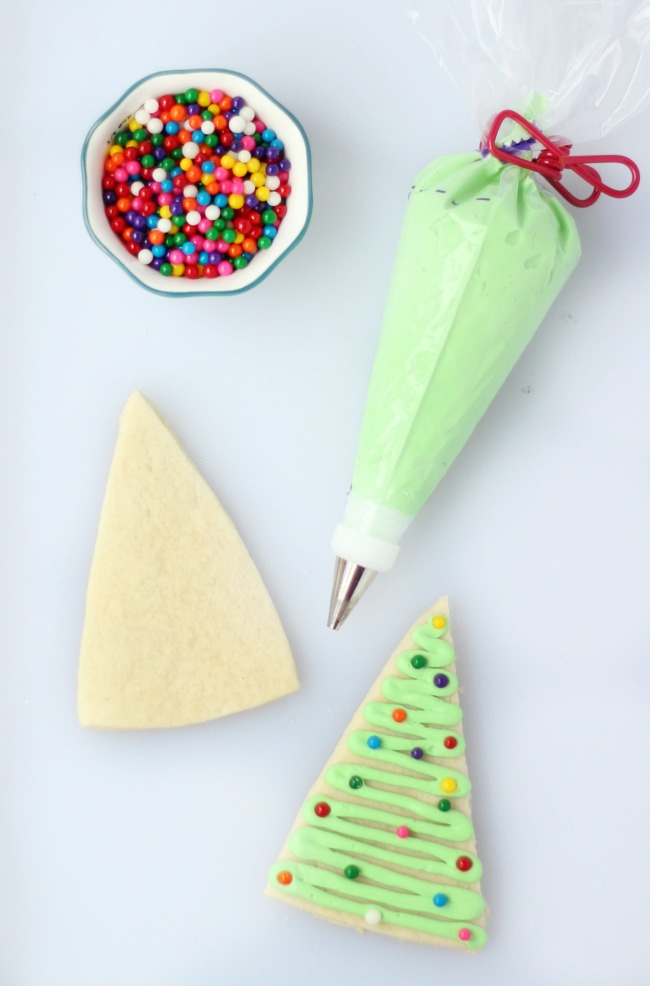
(140, 860)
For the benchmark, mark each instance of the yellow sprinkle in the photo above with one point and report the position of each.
(203, 98)
(448, 785)
(206, 179)
(254, 165)
(185, 164)
(258, 179)
(131, 143)
(439, 622)
(239, 169)
(165, 212)
(227, 161)
(178, 270)
(114, 149)
(235, 201)
(263, 193)
(239, 237)
(133, 126)
(215, 109)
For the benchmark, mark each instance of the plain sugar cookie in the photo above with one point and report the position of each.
(179, 627)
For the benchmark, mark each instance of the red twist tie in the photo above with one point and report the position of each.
(555, 158)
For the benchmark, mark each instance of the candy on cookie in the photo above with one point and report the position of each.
(385, 840)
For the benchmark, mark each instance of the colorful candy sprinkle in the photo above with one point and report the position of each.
(196, 184)
(373, 916)
(444, 804)
(351, 871)
(440, 900)
(448, 785)
(441, 680)
(402, 831)
(464, 934)
(450, 742)
(419, 661)
(355, 782)
(439, 622)
(399, 715)
(285, 877)
(417, 752)
(374, 742)
(322, 809)
(464, 863)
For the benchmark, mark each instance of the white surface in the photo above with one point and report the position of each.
(140, 859)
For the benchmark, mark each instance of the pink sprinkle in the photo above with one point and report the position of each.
(221, 173)
(137, 205)
(248, 144)
(121, 174)
(155, 187)
(259, 125)
(464, 934)
(197, 241)
(176, 256)
(216, 95)
(226, 187)
(204, 225)
(191, 258)
(165, 198)
(222, 246)
(403, 831)
(225, 268)
(237, 186)
(133, 167)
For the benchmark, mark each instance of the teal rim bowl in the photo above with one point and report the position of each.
(296, 147)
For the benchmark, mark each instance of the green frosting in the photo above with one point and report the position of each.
(385, 827)
(482, 255)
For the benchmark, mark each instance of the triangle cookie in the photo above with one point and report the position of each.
(179, 627)
(385, 841)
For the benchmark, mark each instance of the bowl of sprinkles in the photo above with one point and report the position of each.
(197, 182)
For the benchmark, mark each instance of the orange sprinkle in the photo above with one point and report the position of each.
(285, 877)
(399, 715)
(177, 113)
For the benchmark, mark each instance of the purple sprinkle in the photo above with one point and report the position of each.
(441, 681)
(417, 752)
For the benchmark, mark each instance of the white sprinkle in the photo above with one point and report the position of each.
(249, 188)
(164, 225)
(155, 126)
(236, 124)
(373, 916)
(207, 127)
(247, 113)
(274, 199)
(145, 256)
(159, 174)
(142, 117)
(249, 129)
(193, 217)
(151, 105)
(136, 187)
(244, 156)
(190, 192)
(212, 212)
(190, 149)
(272, 182)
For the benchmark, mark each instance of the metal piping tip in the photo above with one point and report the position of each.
(350, 583)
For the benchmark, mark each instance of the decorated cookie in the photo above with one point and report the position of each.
(179, 626)
(385, 841)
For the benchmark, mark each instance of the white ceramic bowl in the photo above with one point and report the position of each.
(296, 148)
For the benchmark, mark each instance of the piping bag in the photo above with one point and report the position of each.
(486, 245)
